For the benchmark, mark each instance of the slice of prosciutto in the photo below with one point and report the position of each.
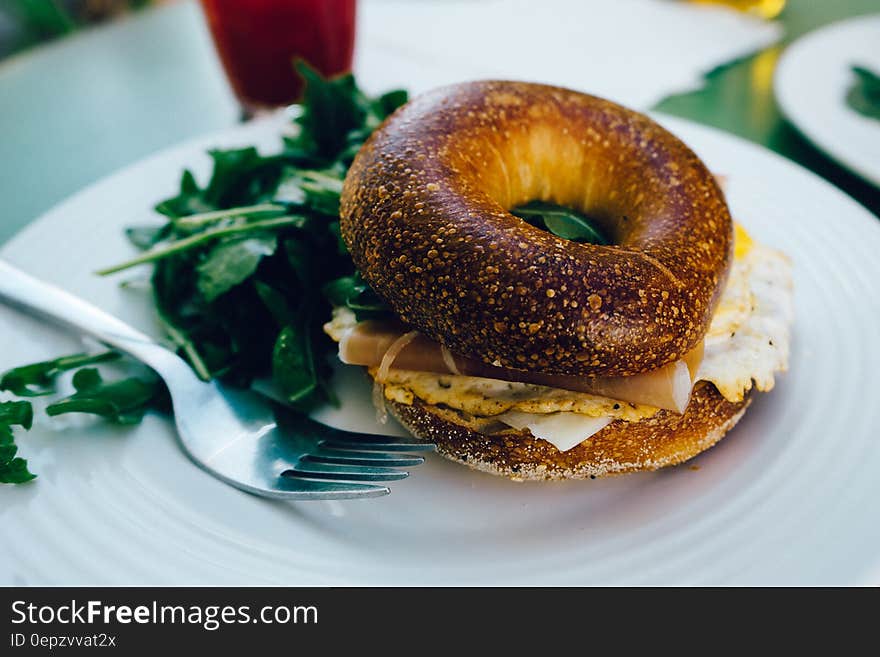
(391, 345)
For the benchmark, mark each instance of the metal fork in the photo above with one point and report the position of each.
(232, 433)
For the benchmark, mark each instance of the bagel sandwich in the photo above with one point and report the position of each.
(521, 353)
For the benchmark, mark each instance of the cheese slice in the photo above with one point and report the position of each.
(563, 430)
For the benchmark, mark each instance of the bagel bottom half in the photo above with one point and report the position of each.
(664, 439)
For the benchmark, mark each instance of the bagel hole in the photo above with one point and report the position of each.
(563, 221)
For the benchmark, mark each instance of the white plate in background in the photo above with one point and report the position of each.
(789, 497)
(811, 82)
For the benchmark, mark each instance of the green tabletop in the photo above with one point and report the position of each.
(81, 108)
(738, 98)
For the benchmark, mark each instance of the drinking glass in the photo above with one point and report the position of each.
(258, 41)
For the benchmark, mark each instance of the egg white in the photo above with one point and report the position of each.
(748, 340)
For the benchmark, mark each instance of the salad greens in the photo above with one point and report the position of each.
(248, 266)
(864, 95)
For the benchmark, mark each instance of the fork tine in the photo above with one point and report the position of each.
(354, 436)
(390, 444)
(346, 457)
(295, 488)
(334, 438)
(344, 472)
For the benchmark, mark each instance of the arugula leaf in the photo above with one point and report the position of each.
(864, 94)
(228, 166)
(560, 221)
(293, 363)
(124, 401)
(242, 176)
(331, 109)
(318, 190)
(294, 369)
(377, 111)
(302, 261)
(16, 412)
(354, 293)
(231, 262)
(275, 302)
(39, 378)
(388, 102)
(196, 222)
(337, 117)
(340, 290)
(192, 324)
(13, 469)
(145, 237)
(190, 200)
(200, 239)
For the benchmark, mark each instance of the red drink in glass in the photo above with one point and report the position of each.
(258, 40)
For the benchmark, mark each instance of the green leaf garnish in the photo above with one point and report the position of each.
(331, 109)
(315, 190)
(124, 401)
(337, 116)
(560, 221)
(353, 293)
(145, 237)
(16, 412)
(295, 371)
(864, 94)
(188, 201)
(196, 222)
(232, 262)
(293, 363)
(201, 239)
(39, 378)
(13, 469)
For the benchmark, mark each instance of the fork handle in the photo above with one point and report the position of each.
(42, 299)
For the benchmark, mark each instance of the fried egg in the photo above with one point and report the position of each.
(491, 397)
(748, 340)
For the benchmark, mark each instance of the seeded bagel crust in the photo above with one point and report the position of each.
(665, 439)
(424, 212)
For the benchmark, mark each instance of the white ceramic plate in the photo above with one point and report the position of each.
(811, 83)
(790, 497)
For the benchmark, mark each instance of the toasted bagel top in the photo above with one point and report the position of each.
(424, 213)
